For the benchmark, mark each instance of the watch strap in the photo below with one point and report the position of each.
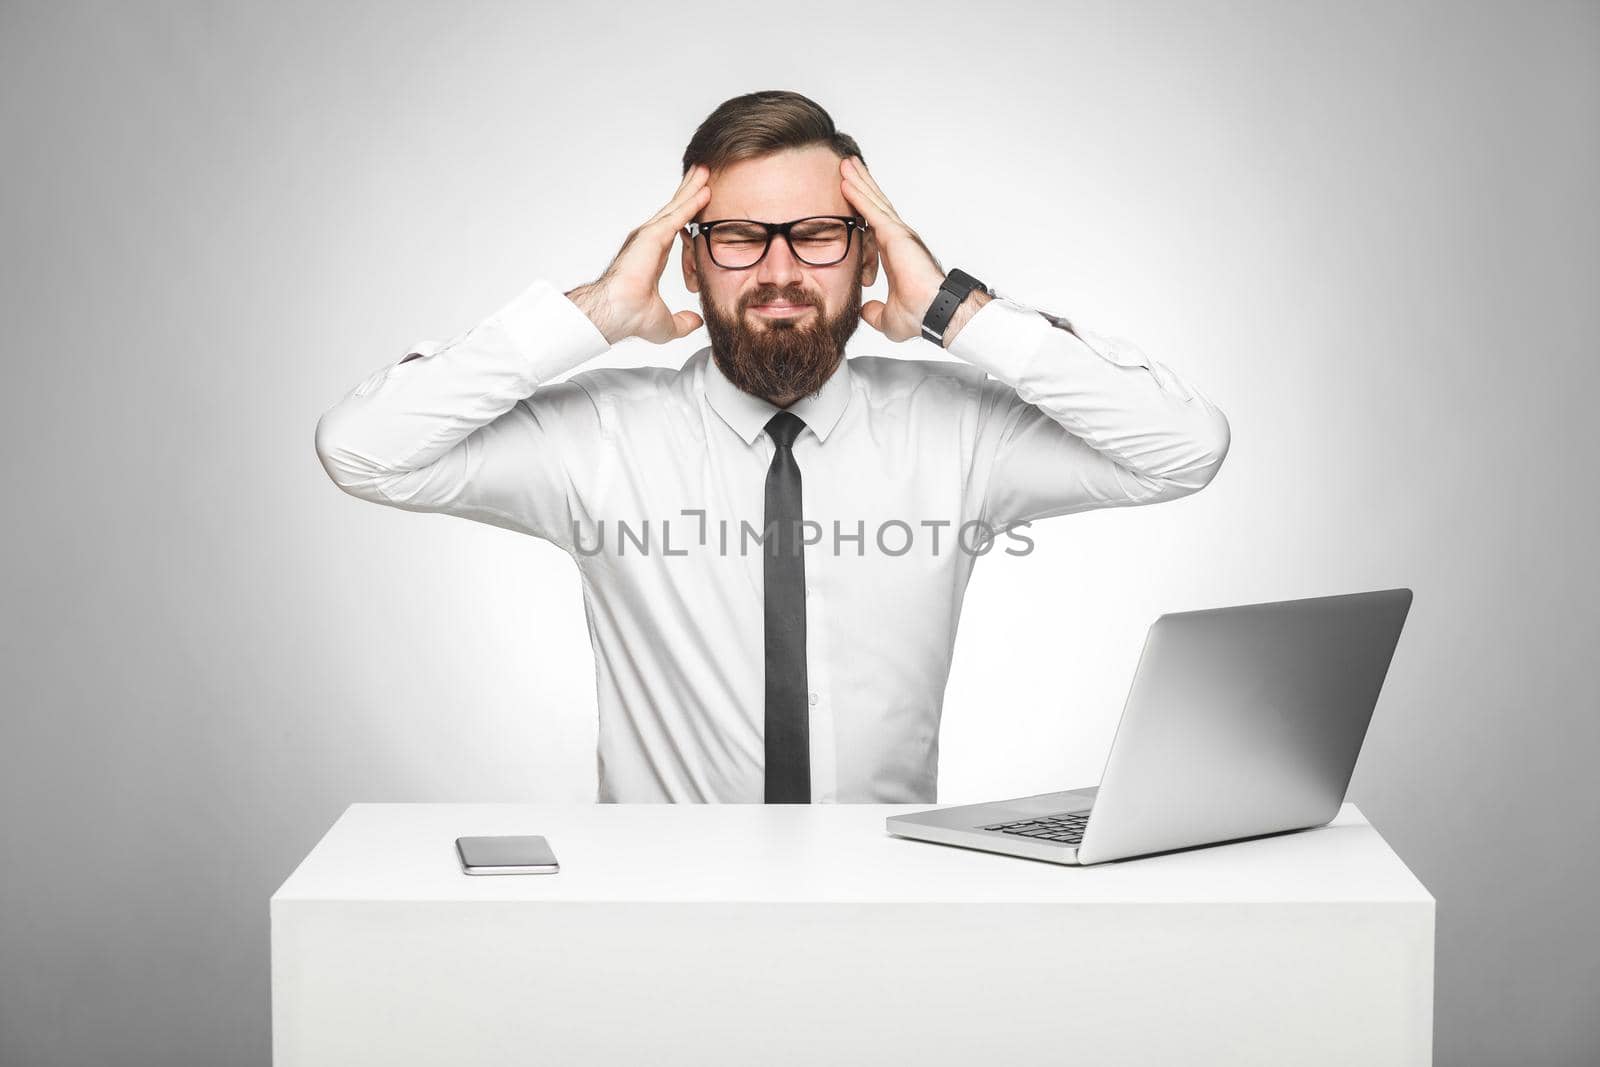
(957, 285)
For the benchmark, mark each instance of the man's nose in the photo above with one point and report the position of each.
(779, 266)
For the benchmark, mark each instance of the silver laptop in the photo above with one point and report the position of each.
(1240, 722)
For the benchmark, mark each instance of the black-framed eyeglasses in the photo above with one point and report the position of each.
(816, 240)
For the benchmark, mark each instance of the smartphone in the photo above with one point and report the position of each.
(506, 855)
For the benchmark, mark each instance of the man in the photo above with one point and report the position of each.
(806, 663)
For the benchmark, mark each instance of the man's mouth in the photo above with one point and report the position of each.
(780, 308)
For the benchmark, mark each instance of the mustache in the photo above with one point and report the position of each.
(774, 297)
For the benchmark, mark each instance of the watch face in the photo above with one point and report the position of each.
(959, 278)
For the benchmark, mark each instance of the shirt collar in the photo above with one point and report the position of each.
(748, 415)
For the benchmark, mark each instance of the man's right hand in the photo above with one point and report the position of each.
(626, 301)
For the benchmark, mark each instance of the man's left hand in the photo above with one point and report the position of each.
(913, 275)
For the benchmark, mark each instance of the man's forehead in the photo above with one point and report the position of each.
(779, 187)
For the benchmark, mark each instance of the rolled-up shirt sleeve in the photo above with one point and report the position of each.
(475, 426)
(1070, 420)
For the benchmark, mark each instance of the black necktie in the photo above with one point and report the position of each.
(784, 567)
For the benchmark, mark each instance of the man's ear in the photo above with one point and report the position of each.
(691, 274)
(869, 258)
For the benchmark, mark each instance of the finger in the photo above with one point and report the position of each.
(687, 189)
(664, 231)
(670, 222)
(872, 183)
(690, 207)
(863, 193)
(866, 178)
(695, 175)
(695, 179)
(872, 311)
(683, 183)
(684, 323)
(880, 227)
(863, 202)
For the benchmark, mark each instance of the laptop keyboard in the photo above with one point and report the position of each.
(1066, 827)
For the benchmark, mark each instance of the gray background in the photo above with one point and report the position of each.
(1368, 232)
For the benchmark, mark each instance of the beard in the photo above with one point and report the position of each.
(779, 360)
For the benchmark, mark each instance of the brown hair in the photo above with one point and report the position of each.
(760, 123)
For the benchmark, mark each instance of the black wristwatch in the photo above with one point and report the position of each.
(955, 288)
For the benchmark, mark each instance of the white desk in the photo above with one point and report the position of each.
(770, 935)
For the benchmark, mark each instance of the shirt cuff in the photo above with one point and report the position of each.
(1003, 337)
(542, 322)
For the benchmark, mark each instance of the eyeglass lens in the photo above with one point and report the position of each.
(816, 242)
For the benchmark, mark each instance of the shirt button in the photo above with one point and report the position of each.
(808, 590)
(813, 695)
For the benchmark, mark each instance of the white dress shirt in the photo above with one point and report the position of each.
(898, 454)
